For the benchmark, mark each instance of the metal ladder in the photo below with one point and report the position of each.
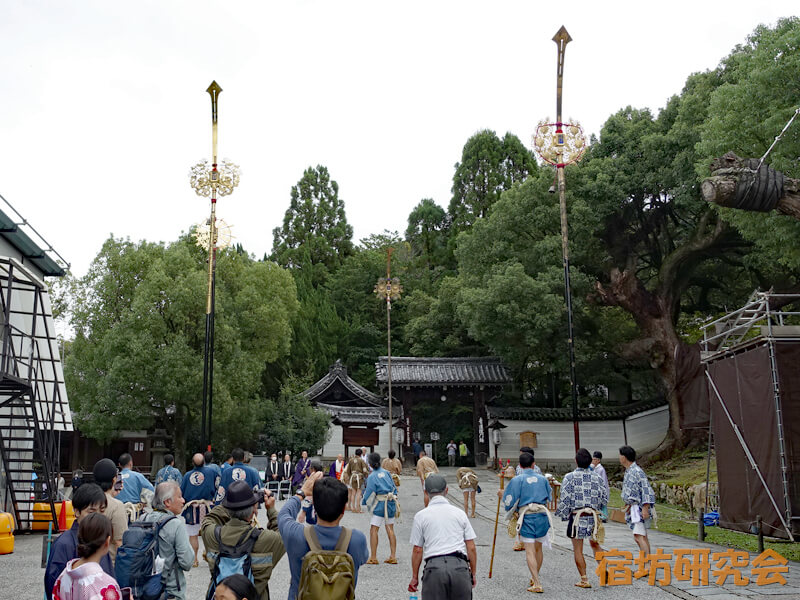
(27, 446)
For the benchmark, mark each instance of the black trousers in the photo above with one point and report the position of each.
(446, 578)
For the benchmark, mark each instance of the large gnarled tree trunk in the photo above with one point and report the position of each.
(655, 311)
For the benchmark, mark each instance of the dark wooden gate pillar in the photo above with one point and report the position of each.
(480, 427)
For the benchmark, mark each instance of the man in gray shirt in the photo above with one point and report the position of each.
(173, 541)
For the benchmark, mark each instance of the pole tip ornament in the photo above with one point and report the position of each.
(562, 36)
(214, 88)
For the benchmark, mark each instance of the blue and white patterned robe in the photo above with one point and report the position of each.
(535, 468)
(579, 489)
(636, 490)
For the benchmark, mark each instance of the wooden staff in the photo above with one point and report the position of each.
(497, 519)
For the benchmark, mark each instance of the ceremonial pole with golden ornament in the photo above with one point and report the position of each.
(209, 181)
(561, 144)
(388, 288)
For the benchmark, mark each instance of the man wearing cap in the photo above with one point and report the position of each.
(443, 537)
(105, 475)
(235, 515)
(198, 488)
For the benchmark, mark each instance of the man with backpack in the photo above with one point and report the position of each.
(234, 545)
(173, 541)
(323, 558)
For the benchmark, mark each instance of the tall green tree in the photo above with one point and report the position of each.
(352, 290)
(509, 294)
(427, 234)
(315, 230)
(666, 250)
(137, 357)
(759, 92)
(489, 165)
(292, 423)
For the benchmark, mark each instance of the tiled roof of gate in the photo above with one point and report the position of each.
(598, 413)
(354, 414)
(338, 371)
(361, 414)
(443, 371)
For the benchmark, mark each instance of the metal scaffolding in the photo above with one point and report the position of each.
(33, 399)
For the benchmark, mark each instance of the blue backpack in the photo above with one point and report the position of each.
(231, 560)
(136, 560)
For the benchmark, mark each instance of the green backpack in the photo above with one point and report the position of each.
(327, 574)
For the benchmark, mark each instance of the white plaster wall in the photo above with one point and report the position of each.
(335, 446)
(555, 439)
(647, 430)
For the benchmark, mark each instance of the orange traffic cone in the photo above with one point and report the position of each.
(62, 516)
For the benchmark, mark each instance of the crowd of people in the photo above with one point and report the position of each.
(121, 517)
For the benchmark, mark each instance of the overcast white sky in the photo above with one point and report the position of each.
(105, 109)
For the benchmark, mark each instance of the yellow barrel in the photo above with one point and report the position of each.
(6, 533)
(42, 517)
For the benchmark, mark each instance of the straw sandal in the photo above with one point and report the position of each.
(391, 561)
(536, 589)
(519, 547)
(372, 561)
(583, 583)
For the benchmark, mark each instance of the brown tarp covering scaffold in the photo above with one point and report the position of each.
(744, 381)
(691, 387)
(788, 355)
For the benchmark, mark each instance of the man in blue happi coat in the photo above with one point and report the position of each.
(168, 472)
(133, 482)
(238, 471)
(638, 496)
(384, 507)
(583, 493)
(527, 495)
(198, 489)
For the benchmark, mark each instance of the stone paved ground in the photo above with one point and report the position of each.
(21, 575)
